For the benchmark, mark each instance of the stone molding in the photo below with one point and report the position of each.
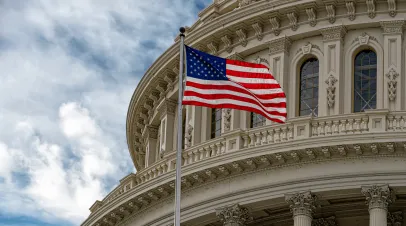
(302, 203)
(378, 196)
(234, 215)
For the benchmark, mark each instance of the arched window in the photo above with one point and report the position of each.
(215, 122)
(309, 88)
(257, 120)
(364, 94)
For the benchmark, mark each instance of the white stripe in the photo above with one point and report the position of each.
(246, 69)
(230, 83)
(230, 101)
(252, 80)
(238, 94)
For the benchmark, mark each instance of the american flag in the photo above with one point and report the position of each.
(216, 82)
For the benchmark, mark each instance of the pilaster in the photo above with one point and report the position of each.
(279, 65)
(393, 84)
(331, 85)
(150, 135)
(378, 198)
(302, 205)
(167, 109)
(234, 215)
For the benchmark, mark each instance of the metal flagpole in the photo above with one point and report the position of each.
(179, 148)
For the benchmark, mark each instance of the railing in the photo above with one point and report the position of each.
(294, 129)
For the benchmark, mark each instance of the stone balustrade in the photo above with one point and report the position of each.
(295, 129)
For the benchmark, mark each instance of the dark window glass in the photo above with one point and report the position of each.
(257, 120)
(365, 81)
(215, 122)
(309, 88)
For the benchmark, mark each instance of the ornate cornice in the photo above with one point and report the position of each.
(378, 196)
(302, 203)
(333, 33)
(234, 215)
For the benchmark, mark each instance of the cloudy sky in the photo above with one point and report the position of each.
(68, 69)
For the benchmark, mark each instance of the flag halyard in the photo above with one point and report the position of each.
(216, 82)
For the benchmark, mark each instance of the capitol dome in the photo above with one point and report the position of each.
(340, 159)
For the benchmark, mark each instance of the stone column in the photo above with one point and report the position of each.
(279, 66)
(393, 83)
(234, 215)
(378, 198)
(167, 109)
(302, 206)
(331, 76)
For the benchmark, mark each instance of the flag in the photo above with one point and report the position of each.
(216, 82)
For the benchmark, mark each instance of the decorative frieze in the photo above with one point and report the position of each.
(258, 30)
(302, 203)
(279, 45)
(275, 23)
(234, 215)
(292, 16)
(392, 8)
(311, 16)
(378, 196)
(350, 10)
(371, 8)
(331, 81)
(333, 33)
(227, 43)
(392, 83)
(227, 119)
(242, 35)
(328, 221)
(395, 218)
(392, 26)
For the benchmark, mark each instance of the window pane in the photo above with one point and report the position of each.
(365, 81)
(257, 120)
(309, 88)
(215, 122)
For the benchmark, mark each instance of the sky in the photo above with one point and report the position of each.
(68, 69)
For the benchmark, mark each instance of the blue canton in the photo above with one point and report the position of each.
(201, 65)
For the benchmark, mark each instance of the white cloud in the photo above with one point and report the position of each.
(68, 70)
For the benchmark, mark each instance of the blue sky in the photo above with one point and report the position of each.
(68, 70)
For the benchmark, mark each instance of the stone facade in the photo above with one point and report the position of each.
(318, 169)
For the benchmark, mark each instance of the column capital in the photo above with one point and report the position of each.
(333, 33)
(279, 45)
(167, 106)
(378, 196)
(150, 132)
(302, 203)
(392, 26)
(234, 215)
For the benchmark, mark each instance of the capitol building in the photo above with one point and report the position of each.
(339, 160)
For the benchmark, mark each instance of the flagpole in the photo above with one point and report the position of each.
(179, 148)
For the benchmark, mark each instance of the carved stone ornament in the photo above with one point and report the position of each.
(234, 215)
(371, 8)
(227, 119)
(378, 196)
(350, 10)
(392, 75)
(260, 60)
(279, 45)
(292, 16)
(227, 43)
(303, 203)
(395, 218)
(331, 13)
(392, 8)
(333, 33)
(392, 26)
(306, 49)
(275, 23)
(329, 221)
(258, 30)
(311, 16)
(331, 89)
(242, 3)
(242, 35)
(188, 135)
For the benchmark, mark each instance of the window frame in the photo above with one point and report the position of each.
(299, 83)
(214, 131)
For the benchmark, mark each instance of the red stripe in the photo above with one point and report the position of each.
(259, 85)
(233, 106)
(245, 64)
(232, 97)
(243, 74)
(235, 89)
